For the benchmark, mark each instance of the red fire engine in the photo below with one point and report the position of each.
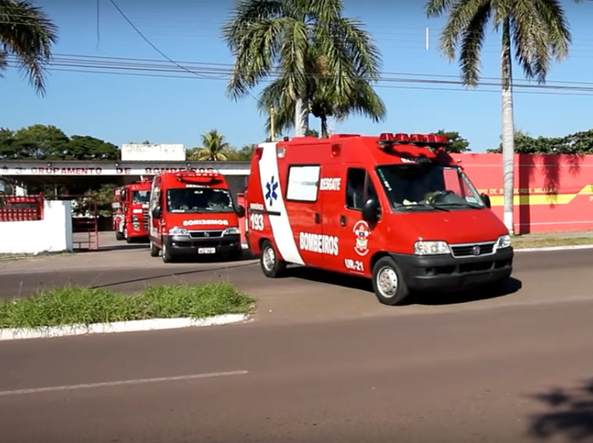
(130, 218)
(193, 213)
(394, 208)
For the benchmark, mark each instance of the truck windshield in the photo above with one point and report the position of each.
(428, 187)
(189, 200)
(140, 196)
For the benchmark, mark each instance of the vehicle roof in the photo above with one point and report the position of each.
(376, 149)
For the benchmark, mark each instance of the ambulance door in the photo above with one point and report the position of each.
(332, 184)
(303, 210)
(357, 242)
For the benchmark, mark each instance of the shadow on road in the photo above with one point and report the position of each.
(570, 415)
(418, 298)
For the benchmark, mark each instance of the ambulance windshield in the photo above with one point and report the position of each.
(428, 187)
(140, 196)
(191, 200)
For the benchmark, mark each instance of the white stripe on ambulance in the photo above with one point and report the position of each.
(322, 244)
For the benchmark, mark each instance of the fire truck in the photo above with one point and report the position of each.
(130, 218)
(194, 214)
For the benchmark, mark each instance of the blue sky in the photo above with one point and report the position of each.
(134, 108)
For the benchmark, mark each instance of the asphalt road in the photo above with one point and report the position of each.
(304, 294)
(322, 362)
(511, 374)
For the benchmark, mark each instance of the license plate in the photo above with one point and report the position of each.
(206, 250)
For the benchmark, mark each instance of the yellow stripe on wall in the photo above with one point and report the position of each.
(542, 199)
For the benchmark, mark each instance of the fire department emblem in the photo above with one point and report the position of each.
(361, 231)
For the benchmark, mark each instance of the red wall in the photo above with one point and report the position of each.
(553, 193)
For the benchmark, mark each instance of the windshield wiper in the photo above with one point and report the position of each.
(425, 205)
(471, 205)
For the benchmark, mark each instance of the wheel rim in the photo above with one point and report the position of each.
(387, 282)
(269, 258)
(164, 251)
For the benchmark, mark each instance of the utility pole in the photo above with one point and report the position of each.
(272, 129)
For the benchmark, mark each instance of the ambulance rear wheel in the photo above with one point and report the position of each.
(271, 266)
(388, 282)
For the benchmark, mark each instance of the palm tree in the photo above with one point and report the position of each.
(316, 54)
(27, 34)
(214, 148)
(538, 32)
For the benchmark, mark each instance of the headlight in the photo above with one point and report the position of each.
(431, 248)
(504, 241)
(178, 231)
(231, 231)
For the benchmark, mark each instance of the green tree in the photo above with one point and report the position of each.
(535, 29)
(40, 142)
(26, 34)
(458, 143)
(90, 148)
(214, 148)
(324, 62)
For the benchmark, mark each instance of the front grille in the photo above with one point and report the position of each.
(473, 249)
(205, 234)
(146, 220)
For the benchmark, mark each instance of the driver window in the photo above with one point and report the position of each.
(359, 188)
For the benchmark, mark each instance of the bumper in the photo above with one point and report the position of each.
(448, 273)
(194, 246)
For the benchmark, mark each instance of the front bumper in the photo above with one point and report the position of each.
(179, 244)
(449, 273)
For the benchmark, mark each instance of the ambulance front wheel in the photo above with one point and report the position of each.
(270, 264)
(388, 282)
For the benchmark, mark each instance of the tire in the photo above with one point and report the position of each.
(119, 236)
(166, 255)
(271, 266)
(387, 273)
(154, 251)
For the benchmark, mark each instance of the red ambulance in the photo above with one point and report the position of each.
(394, 208)
(192, 213)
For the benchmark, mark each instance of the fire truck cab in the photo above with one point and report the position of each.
(194, 214)
(131, 211)
(393, 208)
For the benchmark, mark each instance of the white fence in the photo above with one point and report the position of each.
(52, 234)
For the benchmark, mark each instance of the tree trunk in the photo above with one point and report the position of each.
(508, 130)
(324, 131)
(301, 118)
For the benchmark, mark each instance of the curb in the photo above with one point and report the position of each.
(554, 248)
(122, 326)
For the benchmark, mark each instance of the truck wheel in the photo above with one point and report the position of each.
(270, 264)
(119, 236)
(154, 251)
(388, 282)
(166, 255)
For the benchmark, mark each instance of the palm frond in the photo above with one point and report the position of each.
(27, 32)
(460, 16)
(436, 8)
(472, 42)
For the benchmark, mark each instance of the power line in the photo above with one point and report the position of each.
(222, 73)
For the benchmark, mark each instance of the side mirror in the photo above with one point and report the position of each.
(156, 212)
(240, 211)
(486, 200)
(370, 210)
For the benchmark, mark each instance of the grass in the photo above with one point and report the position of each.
(542, 242)
(70, 305)
(8, 257)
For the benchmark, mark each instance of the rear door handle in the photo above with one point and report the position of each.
(317, 218)
(343, 220)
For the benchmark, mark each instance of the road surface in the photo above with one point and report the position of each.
(322, 362)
